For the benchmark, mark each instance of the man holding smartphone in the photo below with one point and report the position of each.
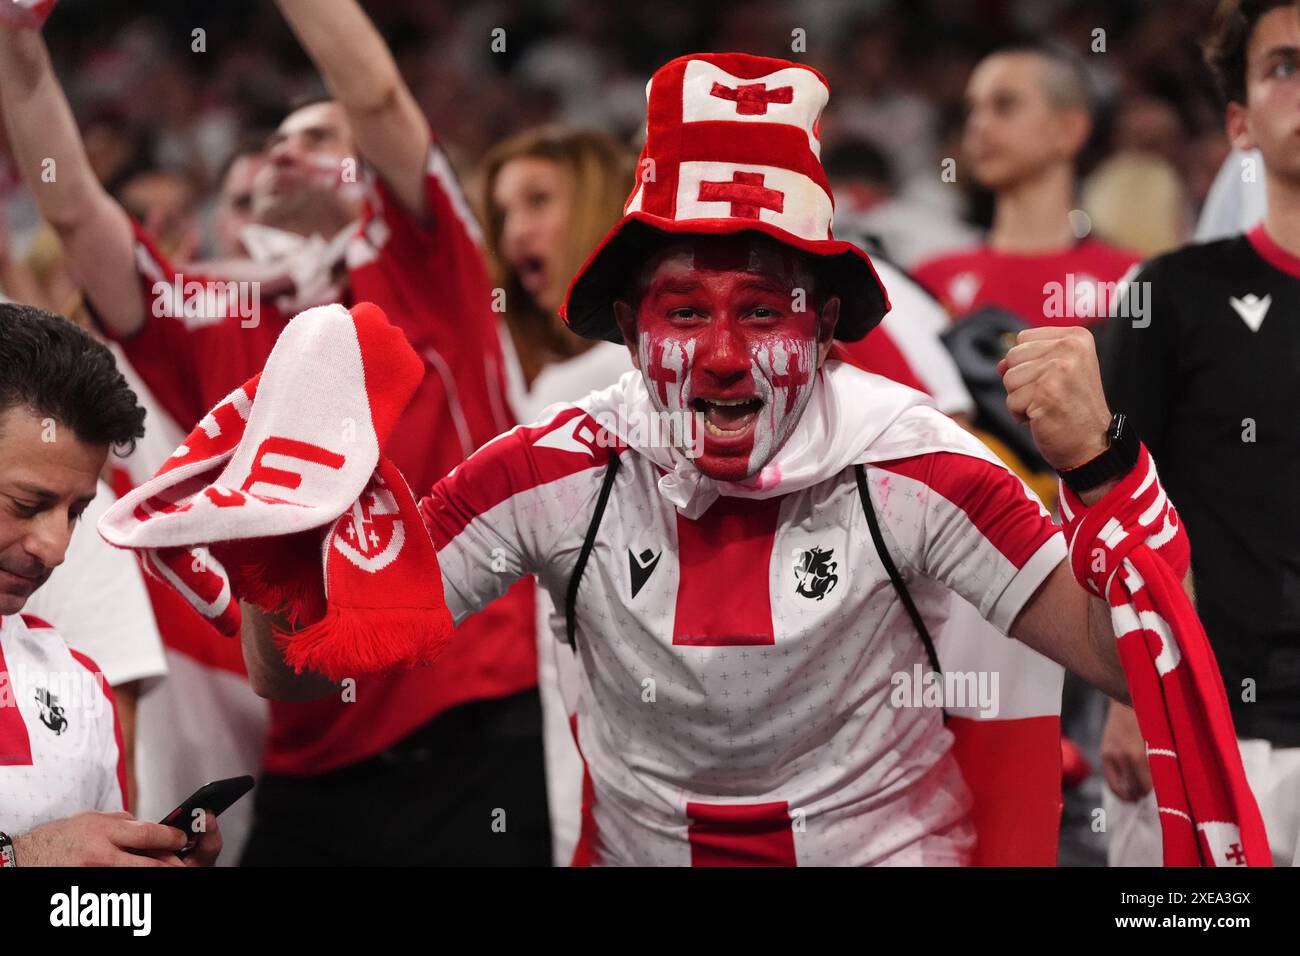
(63, 405)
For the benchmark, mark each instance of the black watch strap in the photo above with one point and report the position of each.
(1117, 460)
(7, 857)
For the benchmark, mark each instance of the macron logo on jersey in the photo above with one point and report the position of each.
(641, 566)
(1252, 309)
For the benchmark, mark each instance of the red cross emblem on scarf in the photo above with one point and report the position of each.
(371, 534)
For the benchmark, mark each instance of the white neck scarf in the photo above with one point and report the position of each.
(852, 417)
(310, 262)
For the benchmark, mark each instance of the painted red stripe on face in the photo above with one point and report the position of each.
(15, 745)
(723, 589)
(758, 834)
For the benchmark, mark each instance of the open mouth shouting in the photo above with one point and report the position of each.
(532, 273)
(729, 419)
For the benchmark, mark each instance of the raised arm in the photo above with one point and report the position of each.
(1054, 385)
(359, 71)
(95, 231)
(1062, 621)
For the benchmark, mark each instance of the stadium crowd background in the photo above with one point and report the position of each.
(148, 103)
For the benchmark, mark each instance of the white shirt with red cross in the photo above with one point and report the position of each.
(739, 672)
(60, 748)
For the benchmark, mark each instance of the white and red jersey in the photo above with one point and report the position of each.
(736, 667)
(60, 746)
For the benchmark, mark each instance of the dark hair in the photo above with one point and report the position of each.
(59, 371)
(859, 158)
(1225, 47)
(304, 100)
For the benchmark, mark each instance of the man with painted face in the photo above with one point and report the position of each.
(750, 658)
(716, 314)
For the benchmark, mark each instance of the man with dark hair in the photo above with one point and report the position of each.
(63, 405)
(52, 369)
(1211, 378)
(235, 198)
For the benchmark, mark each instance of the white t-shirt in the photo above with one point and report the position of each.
(59, 747)
(97, 600)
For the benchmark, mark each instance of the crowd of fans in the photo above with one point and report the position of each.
(161, 120)
(539, 108)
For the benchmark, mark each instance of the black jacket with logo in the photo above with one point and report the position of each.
(1203, 354)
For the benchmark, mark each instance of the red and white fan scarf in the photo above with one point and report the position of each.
(1130, 549)
(280, 497)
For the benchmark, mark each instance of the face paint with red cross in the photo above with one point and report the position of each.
(724, 342)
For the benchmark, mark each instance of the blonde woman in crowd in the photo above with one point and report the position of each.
(550, 194)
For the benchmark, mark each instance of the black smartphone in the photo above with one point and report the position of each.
(216, 796)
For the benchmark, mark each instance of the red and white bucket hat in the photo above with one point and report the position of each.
(732, 145)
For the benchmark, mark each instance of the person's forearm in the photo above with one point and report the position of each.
(391, 132)
(1110, 677)
(347, 49)
(47, 147)
(127, 695)
(1094, 495)
(269, 675)
(43, 135)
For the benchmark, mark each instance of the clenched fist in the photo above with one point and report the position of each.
(1054, 386)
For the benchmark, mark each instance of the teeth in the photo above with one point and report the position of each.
(713, 429)
(735, 401)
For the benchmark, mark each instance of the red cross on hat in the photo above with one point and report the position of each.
(752, 98)
(732, 145)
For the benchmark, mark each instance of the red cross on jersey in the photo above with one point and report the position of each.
(734, 670)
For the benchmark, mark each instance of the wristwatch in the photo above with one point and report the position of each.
(7, 857)
(1116, 461)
